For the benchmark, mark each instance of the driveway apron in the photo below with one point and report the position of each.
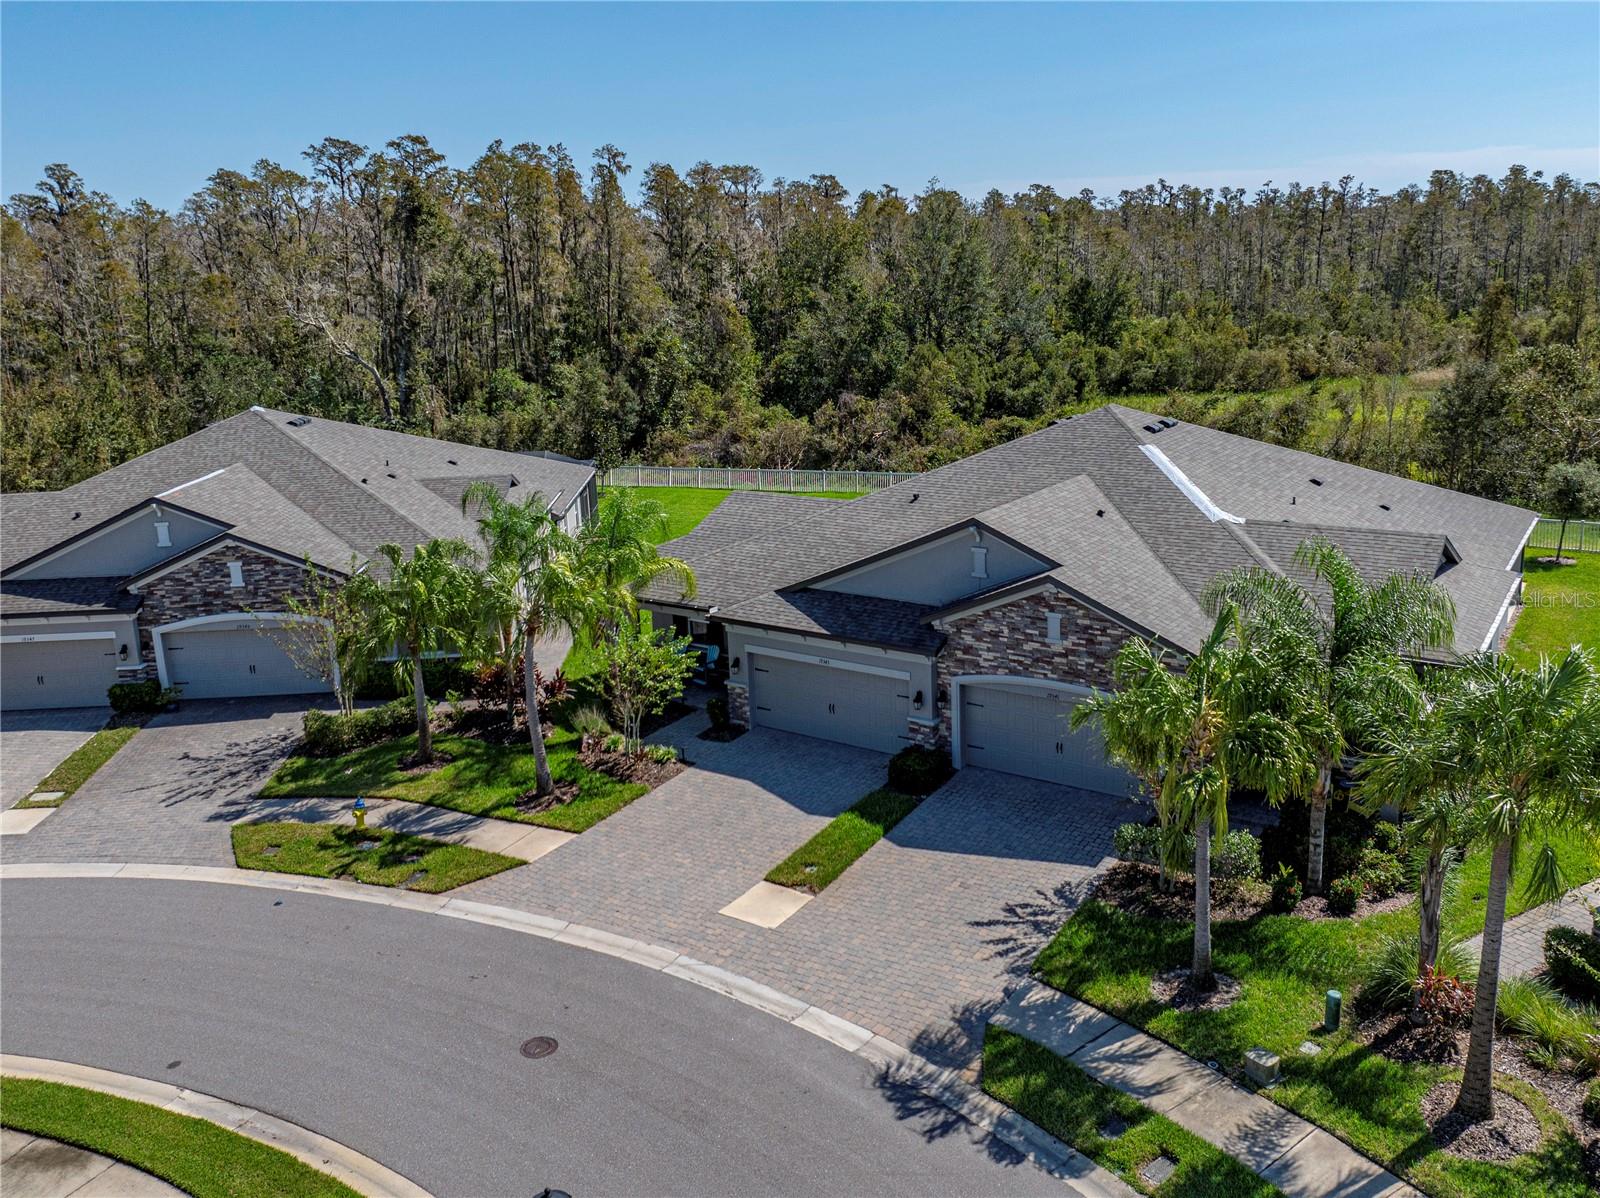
(32, 743)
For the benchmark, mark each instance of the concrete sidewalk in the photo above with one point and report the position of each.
(1298, 1157)
(39, 1167)
(527, 842)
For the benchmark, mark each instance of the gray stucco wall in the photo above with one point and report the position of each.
(742, 640)
(123, 626)
(127, 548)
(940, 572)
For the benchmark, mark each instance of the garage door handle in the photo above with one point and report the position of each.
(973, 746)
(761, 708)
(832, 710)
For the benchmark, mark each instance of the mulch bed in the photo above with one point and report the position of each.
(1135, 888)
(1315, 907)
(532, 803)
(1174, 990)
(1397, 1038)
(1513, 1131)
(628, 767)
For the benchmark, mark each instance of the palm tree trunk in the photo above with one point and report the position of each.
(1430, 902)
(1476, 1100)
(1200, 973)
(424, 729)
(543, 783)
(1317, 834)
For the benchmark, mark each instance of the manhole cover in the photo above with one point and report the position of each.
(538, 1046)
(1158, 1170)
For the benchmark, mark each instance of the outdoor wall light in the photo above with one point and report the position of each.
(916, 701)
(122, 653)
(735, 665)
(944, 698)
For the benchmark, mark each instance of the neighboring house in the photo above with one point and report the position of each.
(170, 566)
(973, 606)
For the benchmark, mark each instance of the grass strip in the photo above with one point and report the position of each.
(828, 854)
(336, 851)
(81, 765)
(482, 779)
(1070, 1105)
(198, 1157)
(1561, 606)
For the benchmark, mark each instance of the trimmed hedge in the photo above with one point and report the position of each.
(331, 735)
(439, 674)
(1235, 857)
(1572, 959)
(915, 770)
(126, 697)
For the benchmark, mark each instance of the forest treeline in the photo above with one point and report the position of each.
(524, 301)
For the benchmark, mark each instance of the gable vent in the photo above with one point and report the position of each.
(299, 422)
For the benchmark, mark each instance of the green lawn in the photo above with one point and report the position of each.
(1070, 1105)
(1107, 957)
(687, 506)
(829, 853)
(335, 851)
(1562, 607)
(78, 768)
(483, 779)
(198, 1157)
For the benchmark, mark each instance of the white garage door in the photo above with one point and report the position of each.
(1027, 730)
(73, 673)
(849, 706)
(226, 660)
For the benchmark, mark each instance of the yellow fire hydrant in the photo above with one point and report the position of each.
(361, 812)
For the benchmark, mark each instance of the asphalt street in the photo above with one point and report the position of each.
(398, 1033)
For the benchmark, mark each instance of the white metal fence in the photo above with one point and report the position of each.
(730, 479)
(1582, 535)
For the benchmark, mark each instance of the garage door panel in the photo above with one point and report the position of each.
(849, 706)
(1028, 731)
(229, 660)
(57, 673)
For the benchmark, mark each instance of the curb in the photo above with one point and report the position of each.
(360, 1173)
(898, 1062)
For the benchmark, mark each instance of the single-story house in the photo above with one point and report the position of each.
(973, 606)
(170, 565)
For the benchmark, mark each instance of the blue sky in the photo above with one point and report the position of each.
(148, 99)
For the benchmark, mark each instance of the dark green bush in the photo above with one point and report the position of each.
(1347, 833)
(1286, 890)
(439, 674)
(1343, 894)
(1572, 959)
(717, 710)
(126, 697)
(1591, 1102)
(1236, 857)
(915, 770)
(330, 735)
(1381, 873)
(1386, 838)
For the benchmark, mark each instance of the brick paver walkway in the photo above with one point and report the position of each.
(170, 793)
(1522, 947)
(32, 743)
(919, 940)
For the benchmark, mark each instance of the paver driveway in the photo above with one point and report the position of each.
(919, 940)
(170, 793)
(32, 743)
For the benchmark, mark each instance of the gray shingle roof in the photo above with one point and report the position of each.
(64, 596)
(1155, 574)
(862, 618)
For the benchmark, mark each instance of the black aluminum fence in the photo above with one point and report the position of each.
(731, 479)
(1583, 536)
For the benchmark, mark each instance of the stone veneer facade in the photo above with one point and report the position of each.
(1013, 638)
(201, 588)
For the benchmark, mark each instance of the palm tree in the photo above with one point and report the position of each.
(618, 548)
(535, 584)
(1362, 628)
(1527, 743)
(423, 606)
(1229, 714)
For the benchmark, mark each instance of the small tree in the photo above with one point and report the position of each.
(326, 635)
(643, 670)
(1572, 492)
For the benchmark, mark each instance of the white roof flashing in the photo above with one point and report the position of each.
(1191, 492)
(190, 483)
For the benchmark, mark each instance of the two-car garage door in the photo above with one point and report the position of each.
(1027, 730)
(852, 706)
(234, 658)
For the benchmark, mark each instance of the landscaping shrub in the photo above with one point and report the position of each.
(1347, 834)
(331, 735)
(1591, 1103)
(439, 674)
(1390, 973)
(614, 742)
(1572, 959)
(1137, 842)
(1386, 838)
(590, 723)
(661, 754)
(1443, 1001)
(128, 697)
(1343, 894)
(1236, 857)
(915, 770)
(717, 711)
(1561, 1030)
(1381, 873)
(1286, 890)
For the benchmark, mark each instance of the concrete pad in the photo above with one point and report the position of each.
(47, 796)
(124, 1181)
(51, 1169)
(766, 904)
(1140, 1065)
(20, 823)
(1322, 1164)
(1058, 1021)
(534, 843)
(1246, 1126)
(12, 1141)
